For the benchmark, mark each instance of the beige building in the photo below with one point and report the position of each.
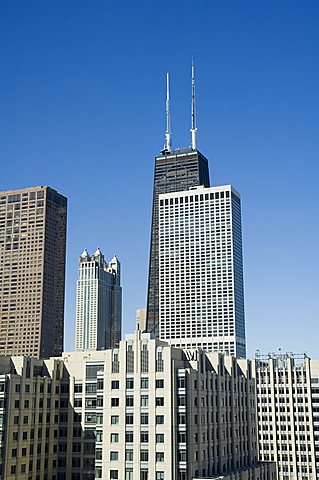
(32, 270)
(288, 414)
(150, 411)
(143, 411)
(141, 319)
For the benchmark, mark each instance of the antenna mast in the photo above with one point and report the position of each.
(168, 141)
(193, 129)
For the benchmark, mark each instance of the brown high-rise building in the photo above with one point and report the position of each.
(32, 271)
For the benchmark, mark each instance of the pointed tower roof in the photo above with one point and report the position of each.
(97, 252)
(85, 253)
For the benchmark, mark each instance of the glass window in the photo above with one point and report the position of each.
(144, 418)
(114, 419)
(160, 438)
(144, 437)
(114, 474)
(160, 476)
(159, 419)
(91, 371)
(115, 402)
(115, 384)
(144, 400)
(144, 455)
(114, 456)
(144, 474)
(129, 455)
(130, 401)
(159, 383)
(130, 383)
(129, 474)
(129, 418)
(114, 437)
(129, 437)
(144, 382)
(159, 401)
(160, 456)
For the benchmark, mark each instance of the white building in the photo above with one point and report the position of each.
(201, 300)
(98, 302)
(288, 414)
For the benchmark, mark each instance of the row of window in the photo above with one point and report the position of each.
(129, 437)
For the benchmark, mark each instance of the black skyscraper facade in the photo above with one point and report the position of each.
(175, 171)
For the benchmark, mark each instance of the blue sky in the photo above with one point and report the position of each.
(82, 110)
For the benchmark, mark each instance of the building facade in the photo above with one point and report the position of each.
(175, 171)
(287, 387)
(30, 418)
(142, 411)
(201, 302)
(98, 302)
(153, 412)
(32, 271)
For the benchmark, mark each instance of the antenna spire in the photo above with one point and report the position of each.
(168, 140)
(193, 129)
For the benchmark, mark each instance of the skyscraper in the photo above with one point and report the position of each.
(32, 271)
(98, 302)
(201, 301)
(175, 170)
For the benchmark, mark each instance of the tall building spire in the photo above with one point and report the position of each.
(193, 129)
(168, 141)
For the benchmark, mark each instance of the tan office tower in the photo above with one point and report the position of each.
(32, 271)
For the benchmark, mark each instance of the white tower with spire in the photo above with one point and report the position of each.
(98, 302)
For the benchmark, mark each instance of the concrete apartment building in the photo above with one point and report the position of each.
(98, 302)
(287, 387)
(201, 292)
(29, 418)
(142, 411)
(32, 271)
(151, 411)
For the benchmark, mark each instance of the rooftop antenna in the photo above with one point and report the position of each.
(193, 129)
(168, 141)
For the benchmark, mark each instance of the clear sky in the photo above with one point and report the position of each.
(82, 109)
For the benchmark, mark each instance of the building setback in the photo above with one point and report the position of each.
(287, 388)
(98, 302)
(201, 303)
(32, 271)
(175, 170)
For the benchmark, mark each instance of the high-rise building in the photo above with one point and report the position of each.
(287, 395)
(32, 271)
(201, 301)
(175, 170)
(98, 302)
